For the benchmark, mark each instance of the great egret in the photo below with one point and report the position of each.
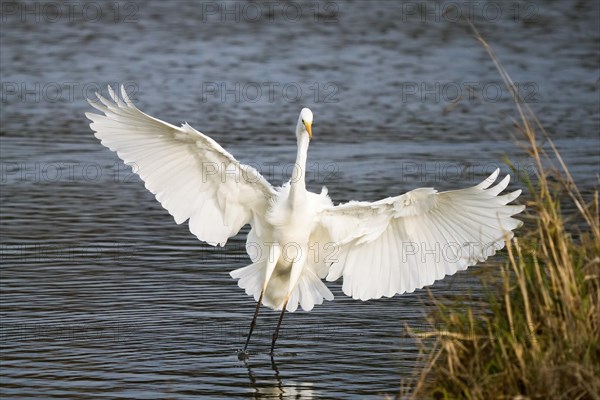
(387, 247)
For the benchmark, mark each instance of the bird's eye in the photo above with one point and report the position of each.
(303, 121)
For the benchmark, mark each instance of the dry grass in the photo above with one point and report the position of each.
(539, 337)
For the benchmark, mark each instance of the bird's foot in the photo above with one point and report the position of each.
(243, 355)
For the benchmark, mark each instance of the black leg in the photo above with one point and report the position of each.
(276, 333)
(253, 324)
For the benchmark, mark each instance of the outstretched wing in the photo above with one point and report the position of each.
(403, 243)
(190, 174)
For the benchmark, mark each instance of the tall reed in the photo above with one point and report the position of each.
(540, 335)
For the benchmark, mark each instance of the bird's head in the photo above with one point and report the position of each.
(305, 123)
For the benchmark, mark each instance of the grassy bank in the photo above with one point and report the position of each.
(539, 336)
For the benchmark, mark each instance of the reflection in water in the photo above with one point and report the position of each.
(275, 387)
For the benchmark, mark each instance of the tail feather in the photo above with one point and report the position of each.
(309, 291)
(312, 290)
(250, 278)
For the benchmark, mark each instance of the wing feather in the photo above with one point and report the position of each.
(189, 173)
(403, 243)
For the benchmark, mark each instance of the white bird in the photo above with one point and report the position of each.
(298, 238)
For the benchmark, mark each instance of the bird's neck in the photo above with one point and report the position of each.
(298, 185)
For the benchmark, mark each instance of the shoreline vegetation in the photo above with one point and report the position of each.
(537, 335)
